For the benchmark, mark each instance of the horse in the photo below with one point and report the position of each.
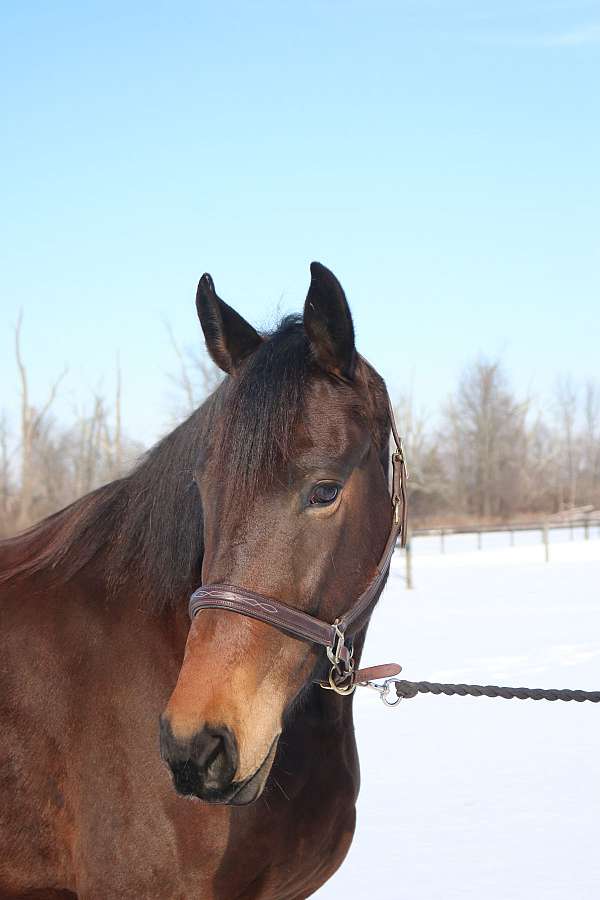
(144, 757)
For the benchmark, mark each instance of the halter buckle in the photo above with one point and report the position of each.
(341, 673)
(334, 653)
(399, 479)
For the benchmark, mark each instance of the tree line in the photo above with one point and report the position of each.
(497, 457)
(46, 464)
(486, 456)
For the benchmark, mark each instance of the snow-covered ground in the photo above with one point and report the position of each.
(480, 798)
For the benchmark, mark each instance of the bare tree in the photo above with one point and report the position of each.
(541, 471)
(486, 436)
(33, 422)
(196, 378)
(566, 412)
(591, 440)
(426, 485)
(56, 464)
(117, 444)
(5, 477)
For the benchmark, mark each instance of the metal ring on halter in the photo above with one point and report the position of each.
(345, 686)
(343, 689)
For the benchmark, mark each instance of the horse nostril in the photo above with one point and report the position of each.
(214, 751)
(205, 764)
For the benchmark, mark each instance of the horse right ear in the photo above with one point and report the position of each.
(229, 338)
(328, 323)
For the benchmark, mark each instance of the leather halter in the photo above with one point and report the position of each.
(336, 638)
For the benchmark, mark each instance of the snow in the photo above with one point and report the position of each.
(481, 798)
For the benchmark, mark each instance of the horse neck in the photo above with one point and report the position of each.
(139, 537)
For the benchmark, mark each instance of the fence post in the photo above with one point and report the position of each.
(586, 528)
(479, 538)
(546, 544)
(442, 544)
(408, 555)
(512, 538)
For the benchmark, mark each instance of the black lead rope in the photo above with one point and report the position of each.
(405, 690)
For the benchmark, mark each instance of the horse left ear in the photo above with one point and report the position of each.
(328, 323)
(229, 338)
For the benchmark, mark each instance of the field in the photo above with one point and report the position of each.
(480, 798)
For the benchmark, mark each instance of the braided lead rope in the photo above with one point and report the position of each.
(405, 690)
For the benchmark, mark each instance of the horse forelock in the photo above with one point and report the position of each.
(261, 409)
(264, 406)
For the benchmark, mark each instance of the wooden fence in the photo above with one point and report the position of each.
(586, 519)
(587, 523)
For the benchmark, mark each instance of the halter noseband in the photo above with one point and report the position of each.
(336, 638)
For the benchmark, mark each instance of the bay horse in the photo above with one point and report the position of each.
(141, 757)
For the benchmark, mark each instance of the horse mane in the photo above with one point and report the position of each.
(148, 525)
(146, 528)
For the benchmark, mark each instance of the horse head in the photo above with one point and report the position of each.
(293, 484)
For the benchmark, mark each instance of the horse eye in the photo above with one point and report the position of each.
(323, 494)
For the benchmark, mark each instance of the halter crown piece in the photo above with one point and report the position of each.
(336, 638)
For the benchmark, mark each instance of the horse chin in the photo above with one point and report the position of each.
(251, 789)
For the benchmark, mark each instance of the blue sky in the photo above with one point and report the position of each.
(441, 157)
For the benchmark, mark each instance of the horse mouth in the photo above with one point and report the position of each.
(250, 790)
(239, 793)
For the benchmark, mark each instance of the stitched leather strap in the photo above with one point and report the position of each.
(293, 621)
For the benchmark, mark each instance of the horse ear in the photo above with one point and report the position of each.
(229, 338)
(328, 323)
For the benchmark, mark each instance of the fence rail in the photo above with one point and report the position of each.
(585, 522)
(589, 519)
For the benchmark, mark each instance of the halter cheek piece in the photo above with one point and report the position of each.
(336, 638)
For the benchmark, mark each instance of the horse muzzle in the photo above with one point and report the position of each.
(204, 765)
